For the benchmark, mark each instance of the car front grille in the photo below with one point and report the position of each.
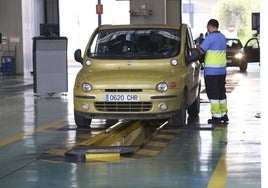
(123, 90)
(123, 106)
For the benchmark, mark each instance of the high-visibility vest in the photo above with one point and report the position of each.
(215, 59)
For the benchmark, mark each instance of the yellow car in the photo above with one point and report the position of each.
(139, 72)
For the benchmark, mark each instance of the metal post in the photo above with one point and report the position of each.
(99, 15)
(191, 14)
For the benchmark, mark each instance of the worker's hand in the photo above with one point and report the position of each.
(199, 49)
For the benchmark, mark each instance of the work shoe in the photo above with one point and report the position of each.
(214, 120)
(225, 118)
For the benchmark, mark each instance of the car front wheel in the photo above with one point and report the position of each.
(243, 66)
(179, 119)
(81, 121)
(194, 109)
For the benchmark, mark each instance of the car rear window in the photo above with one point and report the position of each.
(135, 44)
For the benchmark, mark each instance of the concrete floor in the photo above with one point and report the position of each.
(225, 156)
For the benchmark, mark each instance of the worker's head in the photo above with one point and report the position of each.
(212, 25)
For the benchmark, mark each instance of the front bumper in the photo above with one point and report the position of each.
(232, 61)
(139, 116)
(148, 107)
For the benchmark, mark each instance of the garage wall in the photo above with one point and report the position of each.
(32, 16)
(155, 11)
(19, 22)
(147, 11)
(20, 19)
(173, 11)
(11, 29)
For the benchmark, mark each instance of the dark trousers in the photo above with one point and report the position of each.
(216, 92)
(215, 86)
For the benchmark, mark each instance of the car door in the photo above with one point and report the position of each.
(194, 67)
(252, 50)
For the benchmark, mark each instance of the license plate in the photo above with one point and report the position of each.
(122, 98)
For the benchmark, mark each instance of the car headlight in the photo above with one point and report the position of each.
(174, 62)
(239, 55)
(88, 62)
(86, 87)
(162, 86)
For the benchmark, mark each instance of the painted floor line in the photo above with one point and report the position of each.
(219, 176)
(17, 137)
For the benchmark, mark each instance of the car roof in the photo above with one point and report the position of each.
(142, 26)
(233, 39)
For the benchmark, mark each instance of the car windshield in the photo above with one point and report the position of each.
(233, 44)
(135, 44)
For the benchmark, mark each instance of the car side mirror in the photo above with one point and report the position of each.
(78, 56)
(193, 55)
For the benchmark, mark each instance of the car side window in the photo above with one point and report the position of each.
(253, 43)
(189, 44)
(94, 49)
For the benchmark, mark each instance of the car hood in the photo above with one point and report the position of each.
(233, 51)
(125, 79)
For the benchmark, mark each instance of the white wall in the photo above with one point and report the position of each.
(32, 16)
(78, 19)
(19, 22)
(10, 27)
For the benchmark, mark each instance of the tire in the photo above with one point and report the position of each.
(243, 66)
(194, 109)
(179, 119)
(81, 121)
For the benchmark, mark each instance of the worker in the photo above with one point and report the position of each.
(198, 42)
(214, 48)
(200, 39)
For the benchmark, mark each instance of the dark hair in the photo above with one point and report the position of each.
(214, 23)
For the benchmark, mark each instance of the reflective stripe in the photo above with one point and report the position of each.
(223, 106)
(217, 115)
(215, 108)
(215, 66)
(215, 58)
(214, 101)
(218, 107)
(223, 101)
